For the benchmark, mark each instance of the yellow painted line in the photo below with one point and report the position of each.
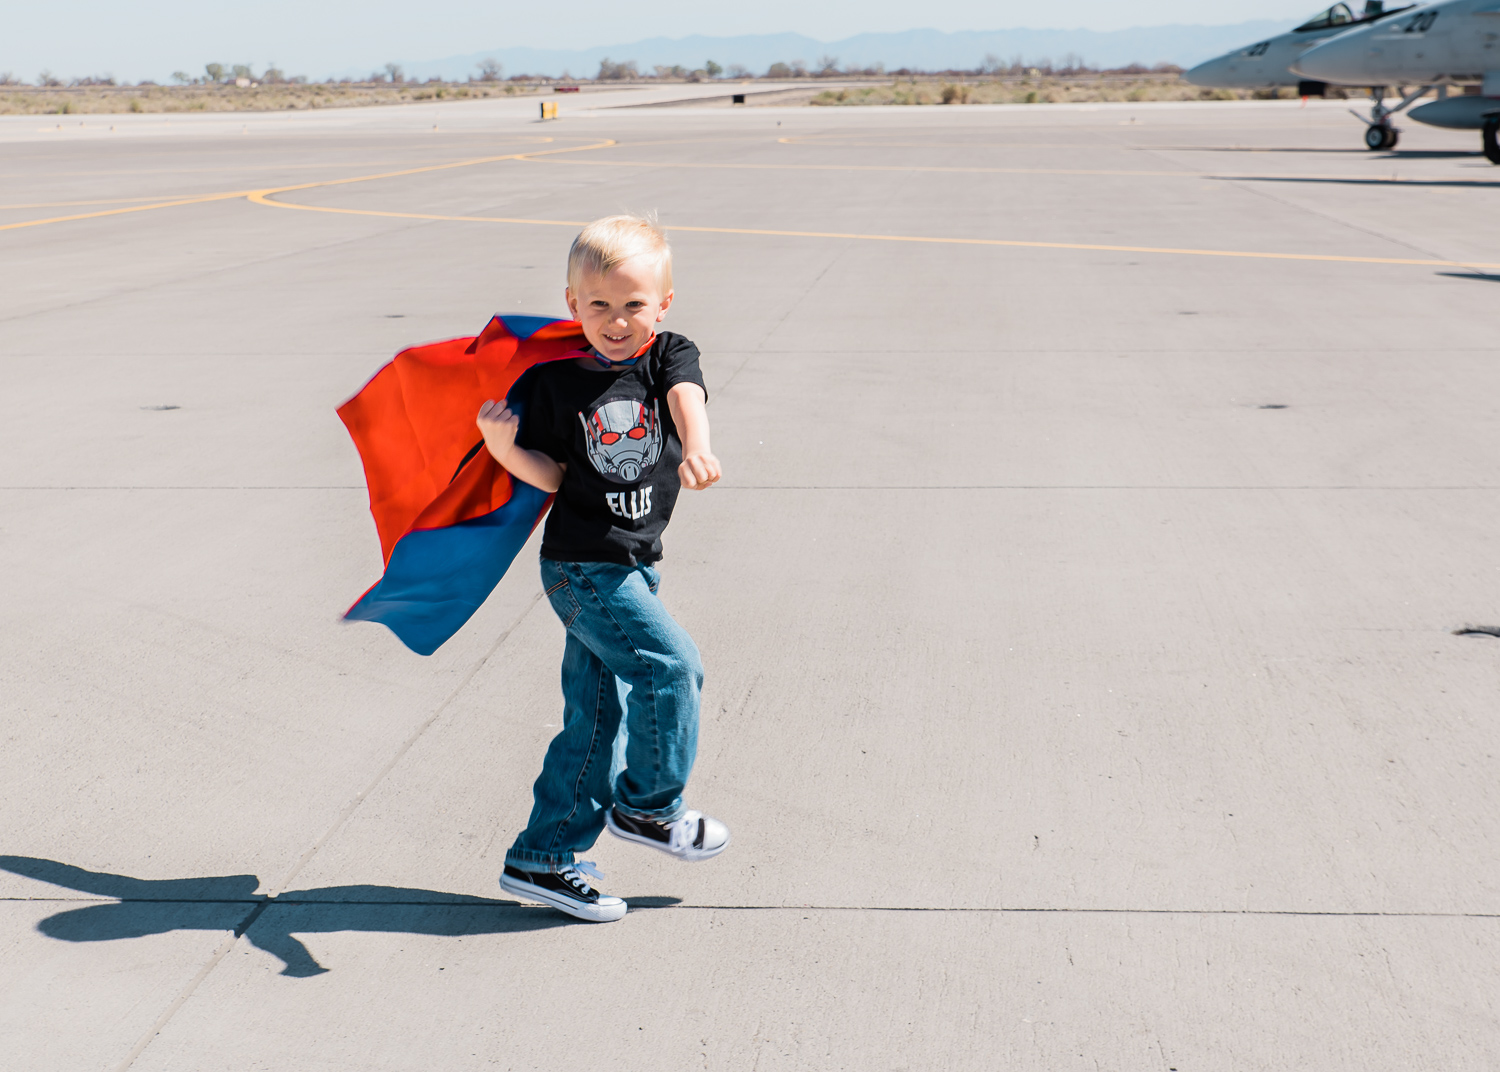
(262, 198)
(122, 211)
(1223, 175)
(828, 141)
(80, 204)
(258, 195)
(1166, 250)
(813, 140)
(870, 167)
(236, 169)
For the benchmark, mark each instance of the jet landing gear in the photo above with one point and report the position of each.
(1379, 133)
(1381, 136)
(1492, 139)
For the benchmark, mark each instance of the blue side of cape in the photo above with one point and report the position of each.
(524, 327)
(437, 578)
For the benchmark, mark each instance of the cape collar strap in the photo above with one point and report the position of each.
(605, 362)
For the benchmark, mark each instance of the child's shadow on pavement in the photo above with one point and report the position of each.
(229, 902)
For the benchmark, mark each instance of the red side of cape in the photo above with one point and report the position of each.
(414, 425)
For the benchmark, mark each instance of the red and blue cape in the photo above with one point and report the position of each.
(450, 519)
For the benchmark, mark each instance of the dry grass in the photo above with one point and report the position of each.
(94, 100)
(1044, 89)
(1041, 90)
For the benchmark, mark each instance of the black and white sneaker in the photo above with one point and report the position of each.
(567, 891)
(692, 836)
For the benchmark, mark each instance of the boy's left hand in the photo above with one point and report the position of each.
(699, 471)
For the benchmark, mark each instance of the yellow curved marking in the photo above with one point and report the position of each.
(261, 198)
(252, 194)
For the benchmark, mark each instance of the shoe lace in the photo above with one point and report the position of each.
(574, 875)
(684, 830)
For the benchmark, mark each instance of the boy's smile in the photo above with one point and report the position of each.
(619, 310)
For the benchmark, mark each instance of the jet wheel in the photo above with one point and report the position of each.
(1492, 140)
(1379, 136)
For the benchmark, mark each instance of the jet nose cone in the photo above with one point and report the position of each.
(1341, 60)
(1208, 73)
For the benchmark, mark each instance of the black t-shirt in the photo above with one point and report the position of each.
(614, 431)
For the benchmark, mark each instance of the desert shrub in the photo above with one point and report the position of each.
(614, 72)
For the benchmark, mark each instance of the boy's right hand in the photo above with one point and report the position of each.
(498, 425)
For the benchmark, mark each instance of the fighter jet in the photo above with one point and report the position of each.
(1456, 42)
(1267, 64)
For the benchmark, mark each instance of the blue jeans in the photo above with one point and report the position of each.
(630, 680)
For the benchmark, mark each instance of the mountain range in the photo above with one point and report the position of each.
(930, 50)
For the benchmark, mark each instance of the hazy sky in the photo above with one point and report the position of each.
(153, 38)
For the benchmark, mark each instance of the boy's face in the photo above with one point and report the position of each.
(620, 309)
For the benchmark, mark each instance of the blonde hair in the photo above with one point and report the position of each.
(604, 244)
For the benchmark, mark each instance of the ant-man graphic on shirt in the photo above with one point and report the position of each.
(623, 440)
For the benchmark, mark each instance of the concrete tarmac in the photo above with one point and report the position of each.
(1104, 486)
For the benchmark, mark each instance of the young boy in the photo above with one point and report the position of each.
(614, 434)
